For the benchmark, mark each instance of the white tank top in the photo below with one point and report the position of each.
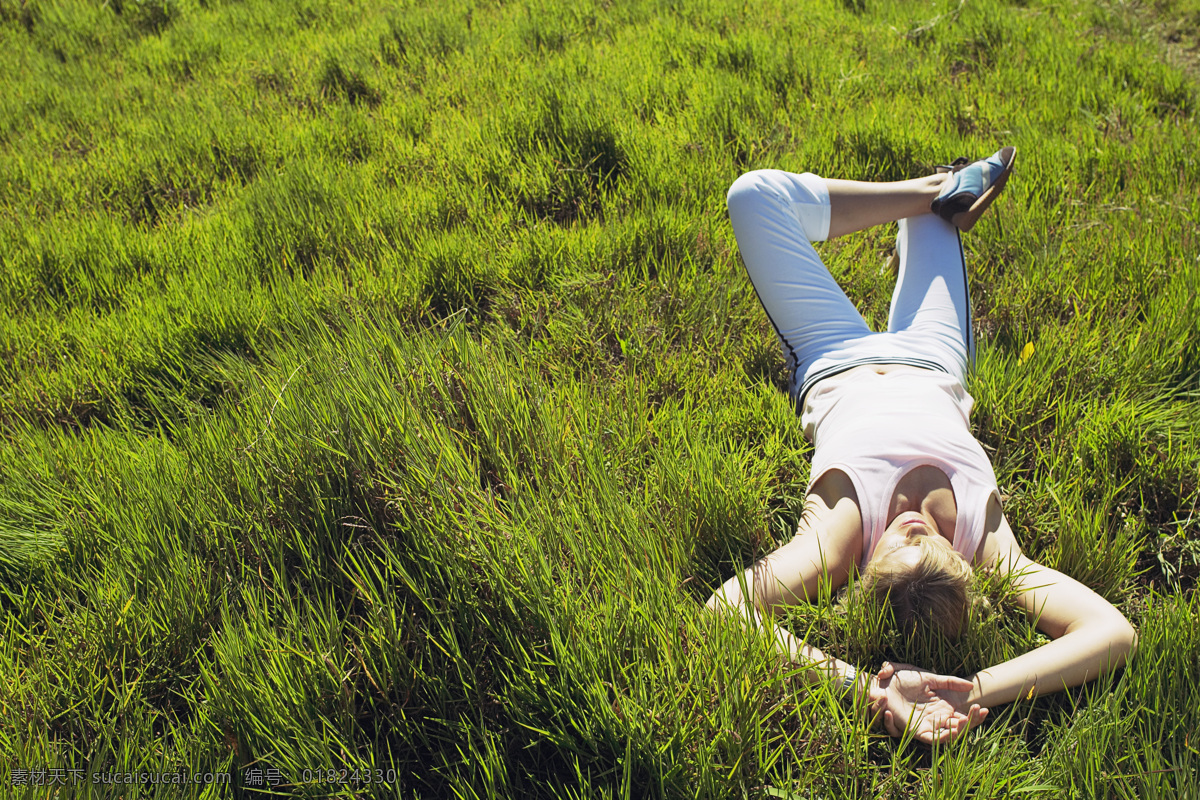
(876, 428)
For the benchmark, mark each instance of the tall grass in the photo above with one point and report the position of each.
(380, 387)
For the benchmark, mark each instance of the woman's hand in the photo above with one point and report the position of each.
(931, 707)
(877, 699)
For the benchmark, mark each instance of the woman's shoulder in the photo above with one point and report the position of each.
(831, 512)
(996, 534)
(832, 485)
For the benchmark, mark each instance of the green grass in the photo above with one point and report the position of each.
(380, 386)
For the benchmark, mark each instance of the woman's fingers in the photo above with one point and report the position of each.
(948, 731)
(886, 671)
(960, 723)
(875, 708)
(940, 735)
(942, 731)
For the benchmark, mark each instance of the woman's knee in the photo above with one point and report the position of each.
(752, 187)
(801, 197)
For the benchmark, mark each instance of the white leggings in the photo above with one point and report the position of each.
(777, 215)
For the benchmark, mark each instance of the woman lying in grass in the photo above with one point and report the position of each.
(900, 489)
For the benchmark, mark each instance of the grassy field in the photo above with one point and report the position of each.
(381, 389)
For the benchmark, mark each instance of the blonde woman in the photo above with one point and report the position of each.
(900, 490)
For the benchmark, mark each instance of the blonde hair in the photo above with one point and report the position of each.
(936, 590)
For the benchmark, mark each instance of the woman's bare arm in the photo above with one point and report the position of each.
(1090, 636)
(823, 549)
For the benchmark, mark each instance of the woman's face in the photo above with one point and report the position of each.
(901, 538)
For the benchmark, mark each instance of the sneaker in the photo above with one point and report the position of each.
(971, 188)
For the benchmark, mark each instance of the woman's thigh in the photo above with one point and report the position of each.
(776, 217)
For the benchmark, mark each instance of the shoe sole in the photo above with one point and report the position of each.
(965, 220)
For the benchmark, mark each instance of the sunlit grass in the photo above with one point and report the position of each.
(380, 387)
